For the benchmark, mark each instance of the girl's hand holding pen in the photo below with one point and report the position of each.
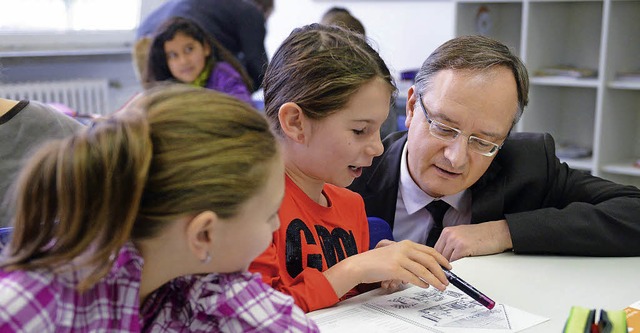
(394, 284)
(411, 262)
(389, 285)
(404, 261)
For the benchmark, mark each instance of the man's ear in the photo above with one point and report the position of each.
(412, 99)
(292, 121)
(200, 234)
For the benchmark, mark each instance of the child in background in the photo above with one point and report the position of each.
(181, 51)
(342, 17)
(129, 226)
(326, 93)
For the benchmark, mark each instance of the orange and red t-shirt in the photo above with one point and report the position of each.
(312, 238)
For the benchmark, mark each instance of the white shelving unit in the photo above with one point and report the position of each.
(601, 114)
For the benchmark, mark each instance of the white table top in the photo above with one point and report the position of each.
(549, 285)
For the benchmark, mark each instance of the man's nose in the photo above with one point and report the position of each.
(457, 151)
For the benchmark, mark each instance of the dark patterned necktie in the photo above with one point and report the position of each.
(436, 208)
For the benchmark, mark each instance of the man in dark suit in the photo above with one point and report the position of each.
(501, 191)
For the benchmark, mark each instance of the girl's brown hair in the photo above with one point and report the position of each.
(176, 151)
(319, 68)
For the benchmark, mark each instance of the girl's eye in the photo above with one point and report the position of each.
(358, 132)
(171, 55)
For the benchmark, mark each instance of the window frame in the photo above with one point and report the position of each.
(13, 42)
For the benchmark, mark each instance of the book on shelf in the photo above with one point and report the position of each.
(567, 71)
(572, 151)
(628, 76)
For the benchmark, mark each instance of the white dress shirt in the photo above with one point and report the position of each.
(412, 220)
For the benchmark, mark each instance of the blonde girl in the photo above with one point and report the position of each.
(147, 221)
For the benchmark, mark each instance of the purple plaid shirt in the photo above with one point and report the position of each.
(42, 301)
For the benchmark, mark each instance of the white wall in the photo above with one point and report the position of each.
(405, 31)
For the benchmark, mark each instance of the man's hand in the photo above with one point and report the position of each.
(474, 240)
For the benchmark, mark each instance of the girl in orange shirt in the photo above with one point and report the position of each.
(327, 93)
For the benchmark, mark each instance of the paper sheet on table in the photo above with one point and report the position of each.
(417, 310)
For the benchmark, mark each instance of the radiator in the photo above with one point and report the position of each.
(85, 97)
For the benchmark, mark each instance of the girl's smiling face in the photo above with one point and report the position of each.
(186, 57)
(340, 145)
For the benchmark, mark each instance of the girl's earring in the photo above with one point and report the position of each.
(207, 259)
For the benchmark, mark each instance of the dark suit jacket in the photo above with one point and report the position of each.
(549, 207)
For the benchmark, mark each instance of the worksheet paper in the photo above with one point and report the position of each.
(418, 310)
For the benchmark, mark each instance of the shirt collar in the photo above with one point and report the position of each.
(415, 198)
(129, 263)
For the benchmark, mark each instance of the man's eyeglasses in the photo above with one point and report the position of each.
(448, 134)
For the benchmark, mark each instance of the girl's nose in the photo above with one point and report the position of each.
(375, 147)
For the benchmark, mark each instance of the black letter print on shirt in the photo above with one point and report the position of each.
(336, 245)
(330, 243)
(294, 248)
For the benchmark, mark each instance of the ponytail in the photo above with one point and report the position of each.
(78, 198)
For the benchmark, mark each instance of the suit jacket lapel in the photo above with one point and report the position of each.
(382, 185)
(487, 195)
(386, 175)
